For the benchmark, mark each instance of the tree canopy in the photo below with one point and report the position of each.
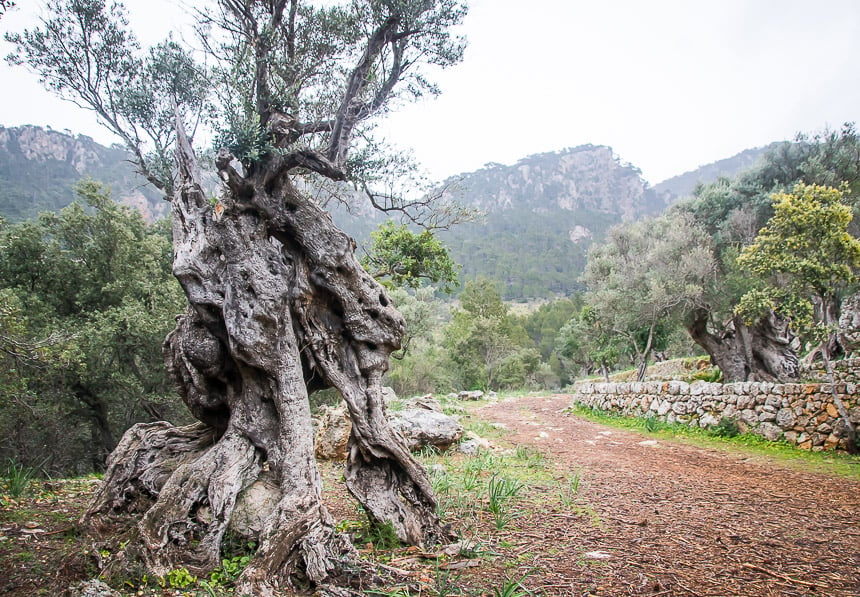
(806, 259)
(264, 77)
(804, 255)
(405, 258)
(88, 298)
(646, 273)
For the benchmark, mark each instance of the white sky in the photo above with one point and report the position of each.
(669, 84)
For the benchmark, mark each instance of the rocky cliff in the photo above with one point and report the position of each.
(589, 177)
(542, 214)
(39, 168)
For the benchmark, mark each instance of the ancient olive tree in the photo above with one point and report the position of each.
(279, 304)
(647, 273)
(806, 260)
(732, 212)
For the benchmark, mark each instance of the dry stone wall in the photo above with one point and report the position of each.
(802, 414)
(845, 371)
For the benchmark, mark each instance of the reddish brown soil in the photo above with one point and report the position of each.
(673, 519)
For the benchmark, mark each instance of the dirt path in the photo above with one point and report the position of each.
(671, 519)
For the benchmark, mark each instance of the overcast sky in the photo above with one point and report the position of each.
(669, 85)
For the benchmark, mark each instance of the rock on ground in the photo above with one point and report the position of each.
(421, 427)
(91, 588)
(333, 429)
(421, 422)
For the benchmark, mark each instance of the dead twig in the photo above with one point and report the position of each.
(783, 577)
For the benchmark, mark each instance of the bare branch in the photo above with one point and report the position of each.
(291, 30)
(350, 110)
(430, 212)
(234, 181)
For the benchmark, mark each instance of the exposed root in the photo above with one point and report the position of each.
(299, 547)
(212, 481)
(144, 460)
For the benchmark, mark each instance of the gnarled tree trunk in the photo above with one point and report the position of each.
(748, 353)
(279, 307)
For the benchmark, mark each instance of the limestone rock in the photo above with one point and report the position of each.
(91, 588)
(422, 423)
(253, 507)
(824, 428)
(421, 427)
(388, 395)
(333, 429)
(708, 420)
(766, 416)
(769, 431)
(437, 470)
(470, 395)
(785, 418)
(427, 402)
(831, 442)
(469, 447)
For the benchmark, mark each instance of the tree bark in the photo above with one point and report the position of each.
(279, 307)
(748, 353)
(642, 356)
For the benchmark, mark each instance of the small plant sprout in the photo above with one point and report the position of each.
(471, 480)
(513, 587)
(500, 491)
(569, 490)
(532, 457)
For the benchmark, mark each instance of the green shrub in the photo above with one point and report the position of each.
(653, 424)
(229, 570)
(17, 477)
(383, 536)
(178, 578)
(710, 375)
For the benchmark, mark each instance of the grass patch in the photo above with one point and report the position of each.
(501, 491)
(568, 491)
(17, 477)
(724, 437)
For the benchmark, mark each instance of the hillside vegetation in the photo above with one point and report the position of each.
(39, 169)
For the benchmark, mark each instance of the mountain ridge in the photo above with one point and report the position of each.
(542, 212)
(39, 168)
(587, 176)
